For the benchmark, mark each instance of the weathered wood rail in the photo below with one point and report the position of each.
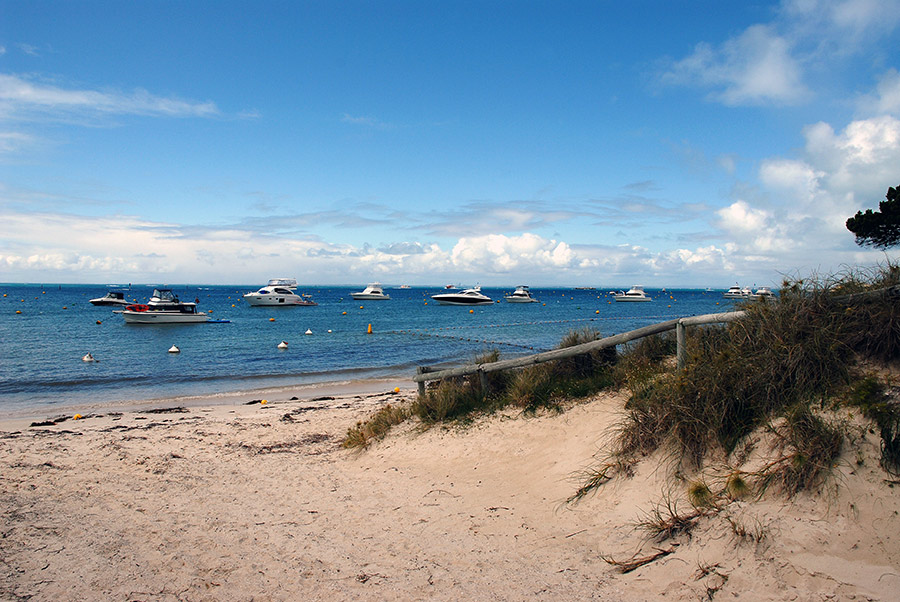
(425, 374)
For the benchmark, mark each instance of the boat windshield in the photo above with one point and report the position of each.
(164, 294)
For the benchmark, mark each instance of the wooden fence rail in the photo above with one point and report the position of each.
(425, 374)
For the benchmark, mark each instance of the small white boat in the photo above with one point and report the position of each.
(372, 292)
(469, 296)
(278, 292)
(111, 298)
(163, 308)
(635, 293)
(763, 292)
(736, 292)
(520, 295)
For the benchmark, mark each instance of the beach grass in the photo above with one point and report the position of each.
(785, 368)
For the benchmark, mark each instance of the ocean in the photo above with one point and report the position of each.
(45, 330)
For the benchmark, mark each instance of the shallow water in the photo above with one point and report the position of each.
(43, 345)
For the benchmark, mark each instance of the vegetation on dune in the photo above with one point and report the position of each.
(786, 367)
(783, 372)
(459, 399)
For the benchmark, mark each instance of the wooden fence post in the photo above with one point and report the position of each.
(679, 346)
(422, 370)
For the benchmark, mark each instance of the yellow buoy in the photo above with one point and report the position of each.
(396, 389)
(18, 311)
(271, 319)
(360, 306)
(597, 312)
(77, 416)
(471, 311)
(344, 313)
(99, 322)
(264, 402)
(369, 330)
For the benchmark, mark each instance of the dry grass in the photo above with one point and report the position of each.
(376, 427)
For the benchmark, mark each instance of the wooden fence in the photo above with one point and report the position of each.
(425, 374)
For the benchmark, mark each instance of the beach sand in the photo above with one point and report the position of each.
(261, 502)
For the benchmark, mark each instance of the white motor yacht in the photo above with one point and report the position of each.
(278, 292)
(635, 293)
(372, 292)
(163, 308)
(736, 292)
(520, 295)
(763, 292)
(469, 296)
(111, 298)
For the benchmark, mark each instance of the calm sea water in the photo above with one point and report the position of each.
(41, 347)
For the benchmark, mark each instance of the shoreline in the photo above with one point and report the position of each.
(22, 418)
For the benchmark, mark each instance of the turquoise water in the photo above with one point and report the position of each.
(43, 345)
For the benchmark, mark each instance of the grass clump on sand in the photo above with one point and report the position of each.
(376, 426)
(549, 384)
(782, 366)
(545, 385)
(458, 397)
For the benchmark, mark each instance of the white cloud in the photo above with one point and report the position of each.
(846, 21)
(767, 62)
(498, 253)
(21, 98)
(791, 178)
(740, 218)
(14, 142)
(862, 158)
(886, 100)
(753, 68)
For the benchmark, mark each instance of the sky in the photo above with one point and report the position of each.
(549, 143)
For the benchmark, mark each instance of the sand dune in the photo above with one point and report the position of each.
(260, 502)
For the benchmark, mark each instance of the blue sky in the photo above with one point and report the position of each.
(494, 142)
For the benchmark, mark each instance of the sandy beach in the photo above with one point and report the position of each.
(260, 502)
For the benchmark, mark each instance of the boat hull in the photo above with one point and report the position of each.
(369, 297)
(273, 301)
(462, 302)
(521, 300)
(163, 317)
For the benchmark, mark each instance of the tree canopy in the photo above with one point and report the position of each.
(879, 229)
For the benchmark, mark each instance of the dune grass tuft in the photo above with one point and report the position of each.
(376, 427)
